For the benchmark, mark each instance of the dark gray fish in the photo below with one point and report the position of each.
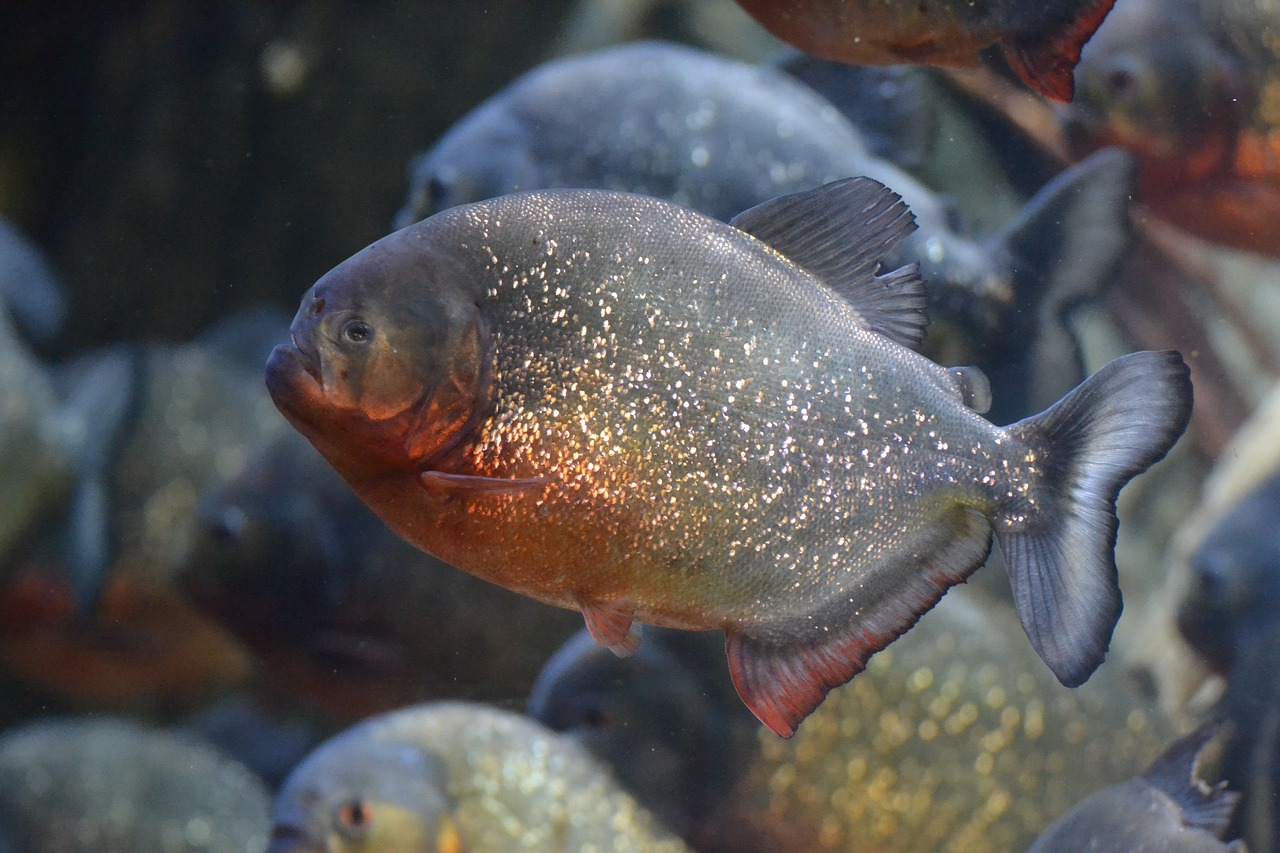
(1230, 615)
(452, 776)
(113, 786)
(341, 610)
(665, 718)
(29, 288)
(1169, 809)
(721, 136)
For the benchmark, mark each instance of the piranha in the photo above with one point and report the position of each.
(1189, 87)
(1041, 41)
(1168, 808)
(457, 777)
(614, 404)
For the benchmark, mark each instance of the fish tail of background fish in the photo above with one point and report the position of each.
(1060, 546)
(1045, 58)
(1064, 249)
(101, 406)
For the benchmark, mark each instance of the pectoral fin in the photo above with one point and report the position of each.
(432, 480)
(610, 624)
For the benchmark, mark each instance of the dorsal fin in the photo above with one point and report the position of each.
(1176, 773)
(840, 232)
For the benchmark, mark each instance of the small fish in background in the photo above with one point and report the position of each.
(1230, 614)
(1041, 41)
(112, 785)
(613, 404)
(35, 297)
(955, 738)
(1169, 808)
(35, 445)
(721, 136)
(1184, 85)
(91, 612)
(450, 777)
(342, 611)
(665, 718)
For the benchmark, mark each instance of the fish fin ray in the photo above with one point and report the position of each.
(481, 485)
(782, 683)
(1064, 248)
(1061, 560)
(1047, 63)
(1176, 773)
(612, 624)
(840, 232)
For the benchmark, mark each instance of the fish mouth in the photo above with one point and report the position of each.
(291, 839)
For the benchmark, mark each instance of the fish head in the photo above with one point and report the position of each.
(1157, 84)
(1234, 590)
(361, 795)
(483, 157)
(388, 355)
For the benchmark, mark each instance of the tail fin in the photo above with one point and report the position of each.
(1061, 561)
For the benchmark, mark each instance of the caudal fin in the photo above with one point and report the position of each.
(1061, 559)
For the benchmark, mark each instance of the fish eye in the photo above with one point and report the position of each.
(354, 817)
(357, 332)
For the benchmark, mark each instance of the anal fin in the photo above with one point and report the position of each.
(782, 683)
(611, 624)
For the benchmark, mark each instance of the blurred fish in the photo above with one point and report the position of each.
(35, 449)
(1230, 614)
(454, 777)
(916, 117)
(174, 418)
(1188, 86)
(112, 786)
(665, 718)
(616, 405)
(1169, 808)
(340, 609)
(720, 136)
(955, 738)
(32, 293)
(1041, 41)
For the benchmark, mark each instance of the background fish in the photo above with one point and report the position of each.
(1187, 86)
(343, 612)
(558, 393)
(955, 738)
(667, 721)
(114, 786)
(1040, 41)
(721, 136)
(92, 611)
(1229, 615)
(450, 777)
(1168, 808)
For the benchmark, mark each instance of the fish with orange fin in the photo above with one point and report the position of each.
(617, 405)
(1193, 88)
(1041, 41)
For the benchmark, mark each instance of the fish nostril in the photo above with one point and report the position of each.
(316, 307)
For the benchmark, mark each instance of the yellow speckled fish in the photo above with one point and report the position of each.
(453, 777)
(614, 404)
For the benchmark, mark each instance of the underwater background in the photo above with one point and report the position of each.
(192, 601)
